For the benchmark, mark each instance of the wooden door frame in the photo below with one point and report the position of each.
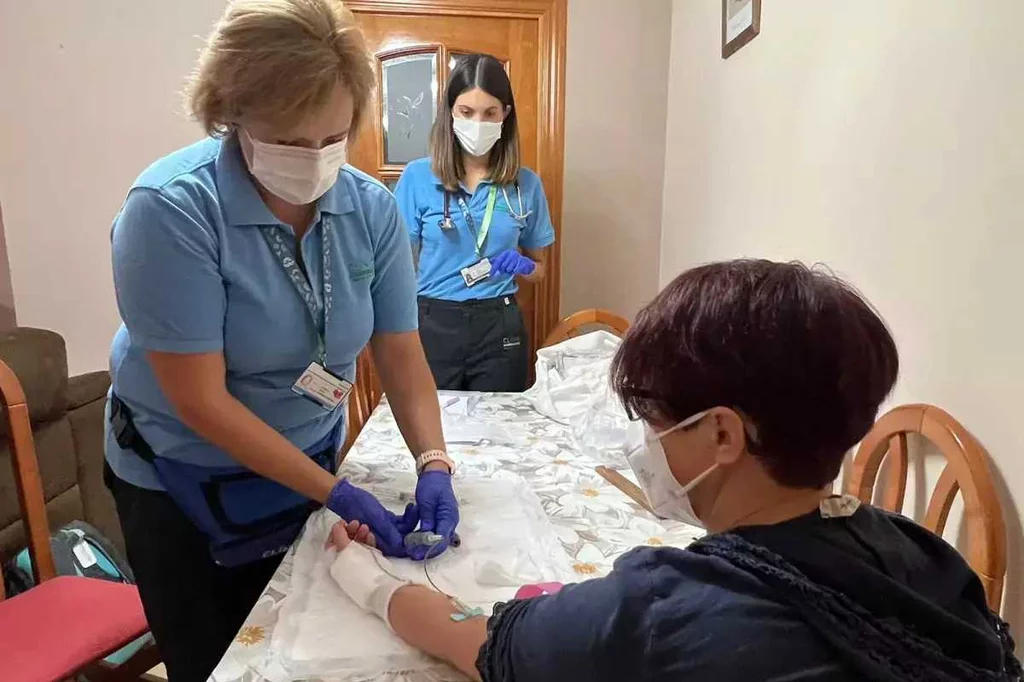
(552, 17)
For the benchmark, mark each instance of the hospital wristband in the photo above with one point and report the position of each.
(425, 458)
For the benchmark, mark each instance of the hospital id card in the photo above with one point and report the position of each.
(322, 386)
(477, 272)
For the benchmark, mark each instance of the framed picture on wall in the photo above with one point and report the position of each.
(741, 22)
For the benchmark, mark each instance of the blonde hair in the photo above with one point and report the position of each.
(487, 73)
(279, 61)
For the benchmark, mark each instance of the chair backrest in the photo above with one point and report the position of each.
(365, 395)
(572, 325)
(966, 471)
(26, 476)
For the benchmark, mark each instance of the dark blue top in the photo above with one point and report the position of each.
(670, 614)
(667, 614)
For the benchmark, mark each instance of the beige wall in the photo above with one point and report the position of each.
(88, 98)
(882, 137)
(616, 95)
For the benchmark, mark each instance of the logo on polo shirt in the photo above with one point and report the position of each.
(357, 271)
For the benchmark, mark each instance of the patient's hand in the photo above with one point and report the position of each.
(344, 533)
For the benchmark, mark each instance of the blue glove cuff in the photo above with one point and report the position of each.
(338, 492)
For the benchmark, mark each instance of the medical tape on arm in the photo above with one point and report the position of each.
(365, 581)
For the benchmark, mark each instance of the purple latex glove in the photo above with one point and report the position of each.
(512, 262)
(438, 511)
(355, 504)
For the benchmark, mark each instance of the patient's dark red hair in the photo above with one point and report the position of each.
(796, 350)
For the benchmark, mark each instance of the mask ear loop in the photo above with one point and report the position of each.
(749, 429)
(689, 421)
(696, 481)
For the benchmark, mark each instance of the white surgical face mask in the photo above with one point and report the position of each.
(296, 174)
(669, 499)
(476, 137)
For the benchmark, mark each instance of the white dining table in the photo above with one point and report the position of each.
(594, 522)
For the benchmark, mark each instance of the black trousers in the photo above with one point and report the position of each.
(475, 345)
(194, 607)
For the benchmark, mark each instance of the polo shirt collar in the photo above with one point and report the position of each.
(440, 185)
(338, 199)
(243, 205)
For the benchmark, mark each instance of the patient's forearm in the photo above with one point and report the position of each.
(422, 618)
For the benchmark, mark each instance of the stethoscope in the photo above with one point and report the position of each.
(446, 223)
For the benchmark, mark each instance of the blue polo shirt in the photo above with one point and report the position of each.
(194, 274)
(444, 253)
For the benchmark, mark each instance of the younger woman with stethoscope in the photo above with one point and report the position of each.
(480, 222)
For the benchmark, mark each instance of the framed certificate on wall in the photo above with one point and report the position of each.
(741, 22)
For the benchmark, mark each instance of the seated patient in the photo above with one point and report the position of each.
(752, 379)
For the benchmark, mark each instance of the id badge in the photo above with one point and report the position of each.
(322, 386)
(477, 272)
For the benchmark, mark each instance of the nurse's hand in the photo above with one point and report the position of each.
(438, 510)
(389, 530)
(512, 262)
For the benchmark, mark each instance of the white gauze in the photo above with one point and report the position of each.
(363, 579)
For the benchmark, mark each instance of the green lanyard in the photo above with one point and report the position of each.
(481, 236)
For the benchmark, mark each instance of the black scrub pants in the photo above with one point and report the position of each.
(475, 345)
(194, 607)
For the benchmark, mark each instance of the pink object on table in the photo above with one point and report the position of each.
(531, 591)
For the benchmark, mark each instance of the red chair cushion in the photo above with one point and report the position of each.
(65, 623)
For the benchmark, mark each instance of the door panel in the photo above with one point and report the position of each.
(408, 102)
(397, 39)
(415, 43)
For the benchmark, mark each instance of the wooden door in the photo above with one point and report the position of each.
(415, 43)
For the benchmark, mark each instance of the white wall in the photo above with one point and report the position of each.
(882, 137)
(615, 108)
(88, 98)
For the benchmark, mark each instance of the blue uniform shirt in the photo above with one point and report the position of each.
(444, 253)
(194, 274)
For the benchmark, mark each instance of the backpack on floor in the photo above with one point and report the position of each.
(78, 549)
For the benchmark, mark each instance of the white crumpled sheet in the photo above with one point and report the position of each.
(573, 388)
(507, 541)
(461, 426)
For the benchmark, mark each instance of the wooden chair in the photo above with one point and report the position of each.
(966, 471)
(572, 325)
(366, 395)
(65, 624)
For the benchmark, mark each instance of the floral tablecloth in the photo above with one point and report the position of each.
(595, 522)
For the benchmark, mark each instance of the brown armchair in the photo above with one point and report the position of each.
(67, 426)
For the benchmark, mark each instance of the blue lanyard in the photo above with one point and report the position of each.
(319, 313)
